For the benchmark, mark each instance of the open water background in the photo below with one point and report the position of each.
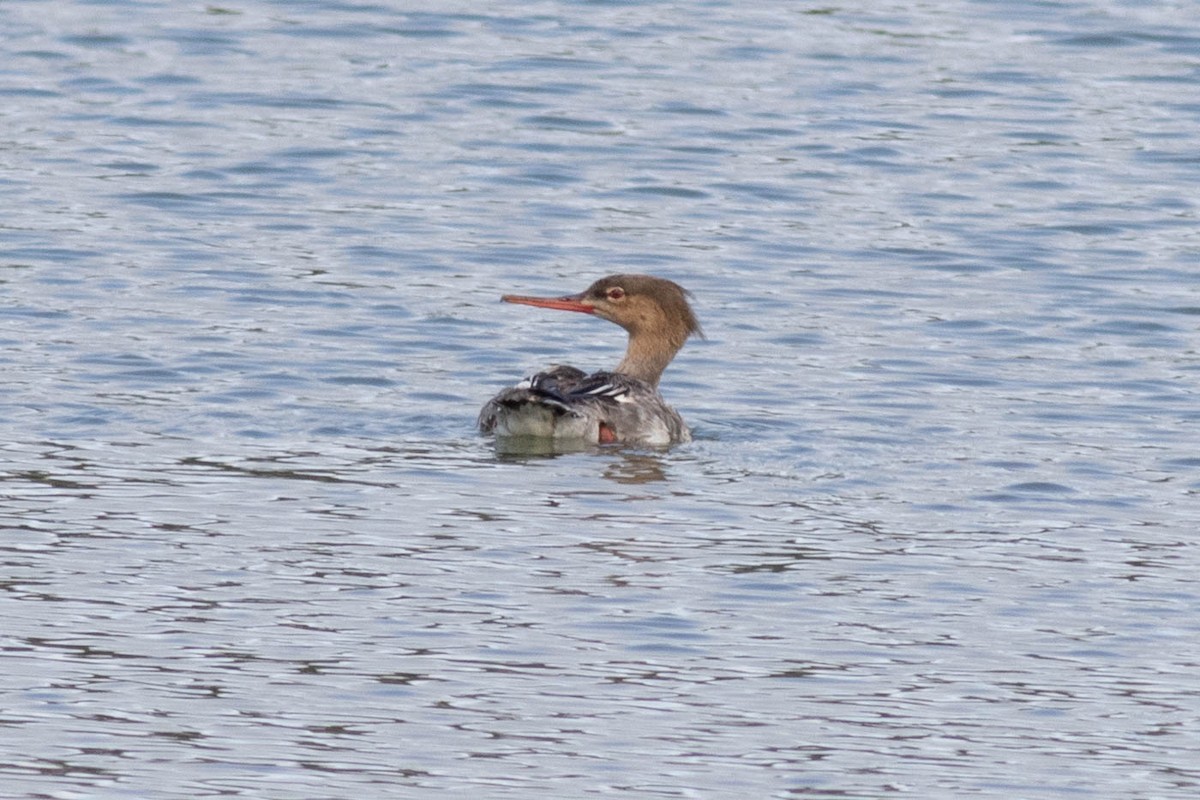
(937, 536)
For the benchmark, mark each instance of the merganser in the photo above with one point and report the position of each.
(564, 403)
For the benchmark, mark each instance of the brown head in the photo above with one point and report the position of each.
(654, 311)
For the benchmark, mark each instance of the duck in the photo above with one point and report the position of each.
(621, 406)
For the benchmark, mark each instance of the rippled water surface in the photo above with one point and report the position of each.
(937, 534)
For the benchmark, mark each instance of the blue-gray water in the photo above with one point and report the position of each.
(937, 536)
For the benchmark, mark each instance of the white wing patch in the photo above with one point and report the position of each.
(609, 390)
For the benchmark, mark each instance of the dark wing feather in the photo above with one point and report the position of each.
(557, 382)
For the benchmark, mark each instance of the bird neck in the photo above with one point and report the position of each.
(648, 354)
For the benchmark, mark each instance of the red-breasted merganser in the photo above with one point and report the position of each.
(619, 406)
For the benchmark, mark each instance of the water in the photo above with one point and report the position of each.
(935, 537)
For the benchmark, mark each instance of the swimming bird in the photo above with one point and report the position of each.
(564, 403)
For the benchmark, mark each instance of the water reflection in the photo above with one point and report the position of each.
(637, 468)
(518, 448)
(623, 465)
(620, 464)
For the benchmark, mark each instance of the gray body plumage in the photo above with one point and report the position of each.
(564, 403)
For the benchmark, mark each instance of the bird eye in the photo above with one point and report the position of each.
(616, 293)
